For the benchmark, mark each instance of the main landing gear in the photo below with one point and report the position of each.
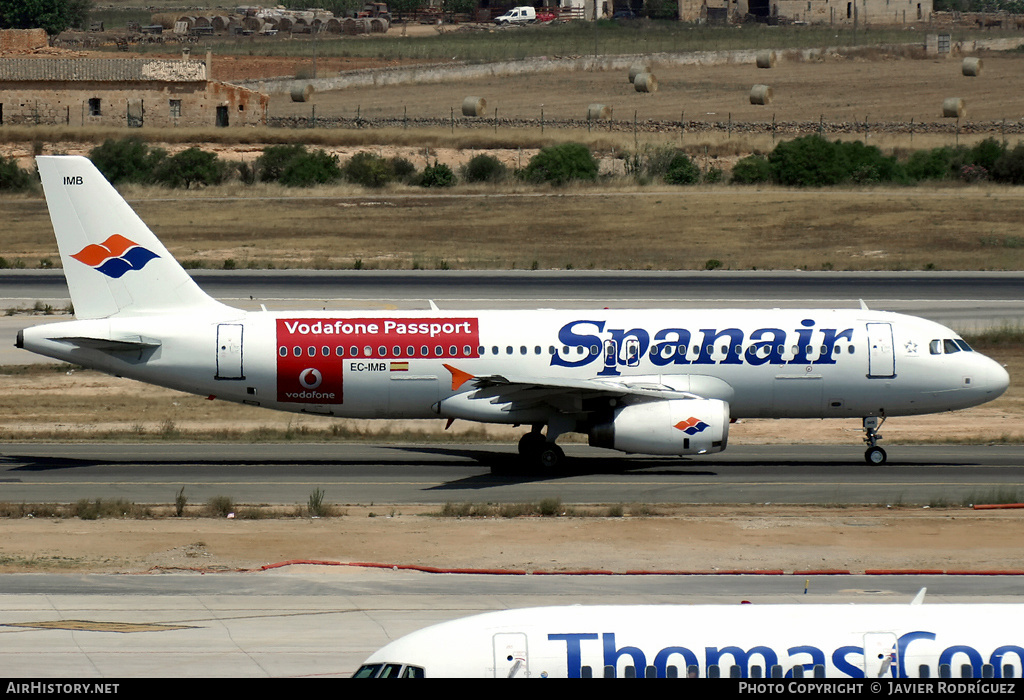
(874, 455)
(537, 450)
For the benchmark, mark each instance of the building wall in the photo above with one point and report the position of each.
(865, 12)
(148, 103)
(122, 92)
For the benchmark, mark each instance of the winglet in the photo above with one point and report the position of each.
(458, 377)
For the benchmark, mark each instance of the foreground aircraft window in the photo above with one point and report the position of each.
(945, 671)
(819, 671)
(966, 671)
(381, 350)
(777, 671)
(963, 345)
(987, 671)
(714, 671)
(368, 671)
(424, 351)
(1008, 671)
(924, 671)
(282, 351)
(650, 672)
(630, 672)
(452, 350)
(508, 350)
(390, 671)
(367, 350)
(671, 672)
(551, 350)
(692, 672)
(586, 672)
(609, 672)
(480, 351)
(536, 350)
(935, 347)
(326, 351)
(522, 349)
(950, 346)
(297, 351)
(311, 351)
(339, 351)
(798, 672)
(594, 350)
(494, 350)
(396, 351)
(354, 351)
(410, 350)
(438, 351)
(413, 672)
(756, 672)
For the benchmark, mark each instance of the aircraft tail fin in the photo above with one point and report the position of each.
(112, 262)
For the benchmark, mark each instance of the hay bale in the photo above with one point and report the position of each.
(220, 23)
(971, 67)
(378, 25)
(596, 112)
(645, 82)
(760, 95)
(638, 68)
(334, 26)
(954, 108)
(253, 24)
(765, 59)
(301, 92)
(474, 107)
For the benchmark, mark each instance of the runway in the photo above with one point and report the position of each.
(436, 474)
(315, 623)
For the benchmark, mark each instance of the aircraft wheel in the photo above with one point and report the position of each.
(531, 444)
(551, 456)
(875, 456)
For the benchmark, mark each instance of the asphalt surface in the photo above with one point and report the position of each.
(430, 474)
(322, 623)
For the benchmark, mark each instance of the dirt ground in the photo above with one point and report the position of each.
(713, 539)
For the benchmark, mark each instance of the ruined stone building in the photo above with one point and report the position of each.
(862, 12)
(122, 92)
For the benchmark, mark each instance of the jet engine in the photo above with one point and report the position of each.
(668, 427)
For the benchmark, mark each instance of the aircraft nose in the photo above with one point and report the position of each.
(995, 380)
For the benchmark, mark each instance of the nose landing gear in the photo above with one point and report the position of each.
(874, 455)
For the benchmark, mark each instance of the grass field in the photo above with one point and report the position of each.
(608, 227)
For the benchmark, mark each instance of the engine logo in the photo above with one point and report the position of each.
(692, 426)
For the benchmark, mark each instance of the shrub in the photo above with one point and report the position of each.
(274, 159)
(12, 177)
(127, 160)
(192, 166)
(308, 169)
(808, 161)
(986, 153)
(293, 166)
(936, 163)
(404, 170)
(484, 168)
(752, 169)
(437, 175)
(369, 170)
(561, 164)
(682, 170)
(1010, 167)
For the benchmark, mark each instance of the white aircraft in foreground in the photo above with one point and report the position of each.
(715, 641)
(664, 382)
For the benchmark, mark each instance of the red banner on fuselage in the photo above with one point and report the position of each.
(312, 352)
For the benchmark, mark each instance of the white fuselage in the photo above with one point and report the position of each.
(778, 363)
(740, 641)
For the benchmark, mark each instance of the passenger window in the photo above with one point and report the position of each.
(396, 351)
(382, 351)
(367, 350)
(508, 350)
(339, 351)
(326, 351)
(311, 351)
(424, 350)
(438, 351)
(282, 351)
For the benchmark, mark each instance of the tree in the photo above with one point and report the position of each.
(191, 167)
(52, 15)
(562, 163)
(126, 160)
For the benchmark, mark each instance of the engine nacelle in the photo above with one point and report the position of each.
(675, 427)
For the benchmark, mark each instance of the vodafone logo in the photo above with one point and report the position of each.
(310, 378)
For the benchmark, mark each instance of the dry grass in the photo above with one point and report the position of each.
(608, 227)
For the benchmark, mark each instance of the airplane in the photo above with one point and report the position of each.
(663, 382)
(794, 641)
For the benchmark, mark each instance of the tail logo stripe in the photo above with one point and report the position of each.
(115, 256)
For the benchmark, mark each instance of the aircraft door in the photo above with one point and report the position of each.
(880, 655)
(510, 657)
(881, 358)
(611, 353)
(229, 351)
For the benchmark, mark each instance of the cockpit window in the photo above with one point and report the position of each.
(963, 345)
(935, 347)
(389, 671)
(950, 346)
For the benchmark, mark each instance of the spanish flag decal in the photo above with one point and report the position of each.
(399, 366)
